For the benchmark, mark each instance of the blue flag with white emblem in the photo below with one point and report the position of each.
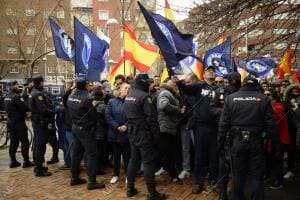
(220, 58)
(90, 52)
(173, 45)
(63, 43)
(259, 66)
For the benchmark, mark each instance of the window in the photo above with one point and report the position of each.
(242, 49)
(126, 15)
(280, 31)
(295, 2)
(47, 14)
(12, 50)
(62, 69)
(60, 14)
(14, 69)
(11, 31)
(255, 33)
(9, 11)
(28, 50)
(281, 45)
(30, 12)
(31, 31)
(103, 15)
(55, 91)
(35, 69)
(85, 19)
(51, 69)
(282, 16)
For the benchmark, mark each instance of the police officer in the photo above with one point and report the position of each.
(83, 119)
(16, 109)
(40, 113)
(247, 115)
(234, 81)
(143, 129)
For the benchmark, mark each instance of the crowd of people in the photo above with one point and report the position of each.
(209, 128)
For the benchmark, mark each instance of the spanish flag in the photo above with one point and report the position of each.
(285, 64)
(168, 12)
(141, 55)
(123, 67)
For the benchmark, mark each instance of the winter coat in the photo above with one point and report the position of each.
(168, 109)
(115, 117)
(101, 125)
(282, 124)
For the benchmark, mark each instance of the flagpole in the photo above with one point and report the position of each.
(123, 26)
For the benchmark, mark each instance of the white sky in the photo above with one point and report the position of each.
(180, 7)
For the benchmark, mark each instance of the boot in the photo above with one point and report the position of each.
(223, 192)
(53, 160)
(40, 172)
(131, 191)
(43, 168)
(14, 164)
(153, 194)
(93, 184)
(77, 181)
(27, 164)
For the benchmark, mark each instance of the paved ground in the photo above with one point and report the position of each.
(21, 184)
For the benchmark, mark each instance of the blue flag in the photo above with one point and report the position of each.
(220, 58)
(90, 52)
(173, 45)
(63, 43)
(259, 66)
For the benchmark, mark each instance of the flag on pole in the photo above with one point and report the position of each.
(173, 45)
(220, 58)
(285, 64)
(259, 66)
(63, 43)
(141, 55)
(90, 52)
(119, 69)
(168, 12)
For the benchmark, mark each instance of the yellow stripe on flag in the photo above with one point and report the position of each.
(119, 69)
(168, 12)
(286, 62)
(164, 75)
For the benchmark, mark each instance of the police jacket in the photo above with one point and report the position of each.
(16, 108)
(115, 116)
(247, 110)
(101, 125)
(202, 110)
(81, 109)
(39, 106)
(68, 121)
(168, 109)
(140, 111)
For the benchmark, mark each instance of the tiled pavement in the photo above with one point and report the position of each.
(21, 184)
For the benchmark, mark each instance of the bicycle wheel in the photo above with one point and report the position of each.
(3, 135)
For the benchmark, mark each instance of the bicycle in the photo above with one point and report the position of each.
(4, 133)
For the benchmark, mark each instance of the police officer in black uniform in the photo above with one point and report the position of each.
(234, 81)
(83, 115)
(16, 109)
(143, 129)
(247, 116)
(40, 113)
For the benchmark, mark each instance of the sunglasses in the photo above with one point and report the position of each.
(268, 94)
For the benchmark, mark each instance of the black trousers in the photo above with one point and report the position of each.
(17, 136)
(141, 149)
(248, 159)
(84, 142)
(101, 152)
(53, 143)
(167, 149)
(120, 150)
(41, 136)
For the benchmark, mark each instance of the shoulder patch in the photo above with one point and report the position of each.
(40, 97)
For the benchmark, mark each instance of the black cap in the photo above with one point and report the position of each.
(37, 80)
(210, 67)
(250, 81)
(80, 83)
(142, 77)
(142, 81)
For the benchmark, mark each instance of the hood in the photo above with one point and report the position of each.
(169, 88)
(287, 94)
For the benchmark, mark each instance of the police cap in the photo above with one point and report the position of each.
(210, 67)
(234, 76)
(142, 77)
(250, 81)
(80, 83)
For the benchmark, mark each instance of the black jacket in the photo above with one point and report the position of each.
(248, 110)
(16, 109)
(202, 113)
(39, 106)
(68, 121)
(82, 111)
(140, 111)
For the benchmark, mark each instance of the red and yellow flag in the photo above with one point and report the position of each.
(141, 55)
(295, 77)
(222, 39)
(285, 64)
(123, 67)
(168, 12)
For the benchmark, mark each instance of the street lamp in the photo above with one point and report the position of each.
(109, 22)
